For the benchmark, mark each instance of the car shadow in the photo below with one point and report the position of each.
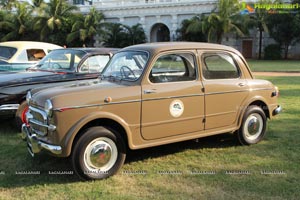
(21, 170)
(217, 141)
(8, 125)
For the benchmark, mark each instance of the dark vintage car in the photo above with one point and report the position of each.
(57, 68)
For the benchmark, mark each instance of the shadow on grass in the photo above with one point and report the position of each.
(17, 166)
(7, 125)
(217, 141)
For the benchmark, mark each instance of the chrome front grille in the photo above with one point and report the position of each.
(38, 121)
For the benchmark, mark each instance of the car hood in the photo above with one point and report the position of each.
(8, 79)
(89, 93)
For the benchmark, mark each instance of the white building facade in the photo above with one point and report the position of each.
(161, 18)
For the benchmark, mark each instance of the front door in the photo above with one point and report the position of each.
(225, 89)
(172, 97)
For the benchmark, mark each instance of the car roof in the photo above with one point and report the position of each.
(29, 44)
(93, 50)
(157, 47)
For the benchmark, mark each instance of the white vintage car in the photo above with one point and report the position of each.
(19, 55)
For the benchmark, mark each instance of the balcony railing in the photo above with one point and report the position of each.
(125, 3)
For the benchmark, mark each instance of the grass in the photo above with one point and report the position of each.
(166, 172)
(274, 65)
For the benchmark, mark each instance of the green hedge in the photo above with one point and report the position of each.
(272, 52)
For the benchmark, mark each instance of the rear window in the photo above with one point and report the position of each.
(7, 52)
(35, 54)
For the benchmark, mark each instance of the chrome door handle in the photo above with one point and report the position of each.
(242, 84)
(149, 91)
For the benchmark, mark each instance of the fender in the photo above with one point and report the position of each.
(246, 105)
(75, 129)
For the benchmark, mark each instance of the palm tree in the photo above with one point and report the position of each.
(259, 20)
(220, 22)
(38, 3)
(85, 28)
(17, 25)
(194, 29)
(7, 4)
(119, 35)
(54, 15)
(113, 35)
(136, 34)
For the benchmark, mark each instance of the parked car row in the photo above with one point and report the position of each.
(147, 95)
(59, 67)
(19, 55)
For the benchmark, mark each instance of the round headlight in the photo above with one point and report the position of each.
(28, 97)
(48, 108)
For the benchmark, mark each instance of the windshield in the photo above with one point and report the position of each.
(127, 65)
(61, 60)
(7, 52)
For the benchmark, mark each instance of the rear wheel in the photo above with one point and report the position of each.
(253, 127)
(21, 114)
(98, 154)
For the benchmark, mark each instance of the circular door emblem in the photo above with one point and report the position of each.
(176, 108)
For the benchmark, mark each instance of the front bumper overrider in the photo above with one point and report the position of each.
(34, 145)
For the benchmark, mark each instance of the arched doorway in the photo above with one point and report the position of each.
(160, 33)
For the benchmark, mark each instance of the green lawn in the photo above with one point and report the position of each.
(278, 155)
(274, 65)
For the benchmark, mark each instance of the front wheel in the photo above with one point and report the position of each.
(253, 126)
(98, 154)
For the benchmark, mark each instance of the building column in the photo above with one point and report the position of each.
(174, 27)
(144, 26)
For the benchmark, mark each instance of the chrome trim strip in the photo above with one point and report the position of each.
(228, 92)
(9, 107)
(258, 89)
(95, 105)
(174, 97)
(234, 91)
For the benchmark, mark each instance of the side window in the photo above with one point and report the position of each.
(173, 68)
(219, 66)
(35, 54)
(94, 64)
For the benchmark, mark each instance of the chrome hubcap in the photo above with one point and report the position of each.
(253, 126)
(101, 154)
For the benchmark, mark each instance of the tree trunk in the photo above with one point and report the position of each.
(260, 43)
(286, 51)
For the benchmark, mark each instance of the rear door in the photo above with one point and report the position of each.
(172, 97)
(225, 89)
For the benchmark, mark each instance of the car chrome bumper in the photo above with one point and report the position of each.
(8, 109)
(277, 110)
(34, 145)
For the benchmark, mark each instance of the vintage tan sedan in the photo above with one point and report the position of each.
(149, 95)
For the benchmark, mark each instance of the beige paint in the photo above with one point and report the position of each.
(209, 106)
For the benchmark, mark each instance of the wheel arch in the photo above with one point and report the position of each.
(263, 106)
(112, 123)
(254, 102)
